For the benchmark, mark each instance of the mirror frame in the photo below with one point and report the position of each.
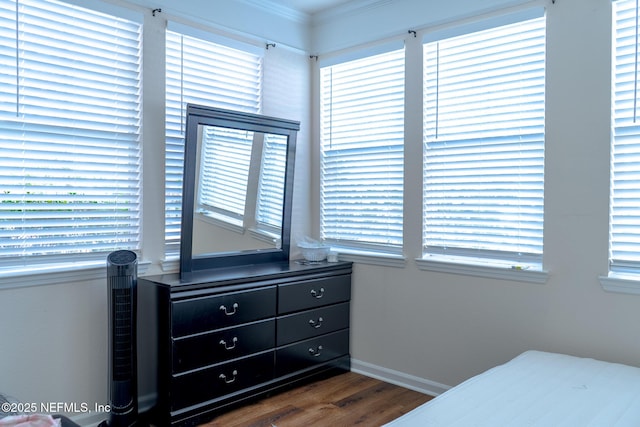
(200, 115)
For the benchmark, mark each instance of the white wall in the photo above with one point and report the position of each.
(246, 18)
(361, 21)
(430, 326)
(53, 343)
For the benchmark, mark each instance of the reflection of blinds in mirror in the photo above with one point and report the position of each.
(271, 187)
(225, 163)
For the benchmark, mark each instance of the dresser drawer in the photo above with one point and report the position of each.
(312, 323)
(214, 347)
(311, 352)
(218, 311)
(313, 293)
(219, 380)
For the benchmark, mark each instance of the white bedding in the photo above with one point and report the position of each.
(537, 389)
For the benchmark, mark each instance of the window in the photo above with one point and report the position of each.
(206, 72)
(362, 154)
(69, 133)
(624, 239)
(484, 144)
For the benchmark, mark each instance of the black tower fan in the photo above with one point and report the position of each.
(122, 270)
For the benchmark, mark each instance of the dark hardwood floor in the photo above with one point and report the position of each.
(348, 399)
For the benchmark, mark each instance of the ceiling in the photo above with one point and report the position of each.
(309, 7)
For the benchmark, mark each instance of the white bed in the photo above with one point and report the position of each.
(537, 389)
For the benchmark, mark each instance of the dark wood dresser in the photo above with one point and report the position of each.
(229, 335)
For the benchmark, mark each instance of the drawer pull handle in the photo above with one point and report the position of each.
(226, 347)
(316, 324)
(229, 313)
(317, 352)
(317, 294)
(223, 377)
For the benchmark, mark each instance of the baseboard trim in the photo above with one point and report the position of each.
(411, 382)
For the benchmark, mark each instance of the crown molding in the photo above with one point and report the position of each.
(352, 7)
(279, 10)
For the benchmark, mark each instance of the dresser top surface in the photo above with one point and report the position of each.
(253, 272)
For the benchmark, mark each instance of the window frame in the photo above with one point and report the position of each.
(46, 268)
(493, 264)
(246, 101)
(623, 272)
(360, 250)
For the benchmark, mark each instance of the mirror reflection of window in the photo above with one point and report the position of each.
(225, 160)
(271, 187)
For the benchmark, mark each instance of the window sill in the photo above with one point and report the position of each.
(171, 264)
(374, 258)
(58, 274)
(621, 283)
(483, 268)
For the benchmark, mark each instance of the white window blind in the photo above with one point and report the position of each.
(625, 176)
(69, 132)
(271, 184)
(484, 143)
(204, 72)
(222, 186)
(362, 153)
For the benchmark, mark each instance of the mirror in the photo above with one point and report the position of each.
(237, 189)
